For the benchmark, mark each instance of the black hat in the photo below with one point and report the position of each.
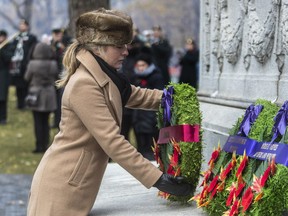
(57, 30)
(3, 33)
(144, 57)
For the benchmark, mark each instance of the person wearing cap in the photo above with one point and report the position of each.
(59, 46)
(5, 57)
(23, 45)
(188, 63)
(161, 51)
(144, 122)
(67, 180)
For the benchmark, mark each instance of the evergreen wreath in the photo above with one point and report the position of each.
(239, 185)
(179, 107)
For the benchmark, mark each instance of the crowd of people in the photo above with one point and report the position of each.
(33, 65)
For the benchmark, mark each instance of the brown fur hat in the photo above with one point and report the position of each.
(104, 27)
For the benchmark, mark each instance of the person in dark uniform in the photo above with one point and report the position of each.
(22, 45)
(5, 56)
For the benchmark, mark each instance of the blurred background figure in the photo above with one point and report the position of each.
(22, 45)
(6, 54)
(148, 37)
(147, 76)
(174, 65)
(58, 46)
(161, 51)
(45, 38)
(42, 72)
(189, 64)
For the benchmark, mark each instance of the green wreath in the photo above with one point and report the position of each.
(179, 158)
(238, 185)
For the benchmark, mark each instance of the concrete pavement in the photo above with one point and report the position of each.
(120, 195)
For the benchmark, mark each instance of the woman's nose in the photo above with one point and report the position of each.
(125, 52)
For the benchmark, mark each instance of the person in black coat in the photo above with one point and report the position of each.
(161, 51)
(22, 45)
(59, 43)
(189, 61)
(5, 56)
(144, 122)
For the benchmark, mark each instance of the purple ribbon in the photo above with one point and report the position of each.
(257, 150)
(280, 122)
(250, 116)
(166, 104)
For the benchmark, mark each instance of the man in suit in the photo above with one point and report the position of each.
(23, 45)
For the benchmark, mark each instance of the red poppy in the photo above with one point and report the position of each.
(239, 189)
(233, 210)
(214, 156)
(230, 196)
(199, 198)
(242, 165)
(214, 191)
(213, 183)
(265, 176)
(247, 199)
(163, 194)
(170, 170)
(206, 177)
(225, 172)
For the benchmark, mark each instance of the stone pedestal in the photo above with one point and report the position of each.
(243, 58)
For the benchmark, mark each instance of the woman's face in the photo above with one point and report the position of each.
(114, 55)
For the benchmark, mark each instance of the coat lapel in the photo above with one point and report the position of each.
(110, 89)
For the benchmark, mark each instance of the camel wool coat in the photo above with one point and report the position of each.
(69, 175)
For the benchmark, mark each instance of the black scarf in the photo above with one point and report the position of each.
(119, 79)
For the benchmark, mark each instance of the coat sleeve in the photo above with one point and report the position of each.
(88, 101)
(142, 98)
(28, 73)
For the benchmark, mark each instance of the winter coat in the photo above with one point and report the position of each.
(145, 121)
(29, 41)
(5, 56)
(189, 68)
(162, 52)
(69, 175)
(42, 72)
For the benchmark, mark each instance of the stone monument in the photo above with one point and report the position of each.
(243, 51)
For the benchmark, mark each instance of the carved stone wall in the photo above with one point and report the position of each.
(243, 48)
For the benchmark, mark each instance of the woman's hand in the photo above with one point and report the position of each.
(173, 185)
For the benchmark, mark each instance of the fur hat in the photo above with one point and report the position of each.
(104, 27)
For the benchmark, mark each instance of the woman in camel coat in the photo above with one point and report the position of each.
(69, 175)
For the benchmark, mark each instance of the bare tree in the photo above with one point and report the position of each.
(23, 10)
(77, 7)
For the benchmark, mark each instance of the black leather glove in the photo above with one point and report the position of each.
(173, 185)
